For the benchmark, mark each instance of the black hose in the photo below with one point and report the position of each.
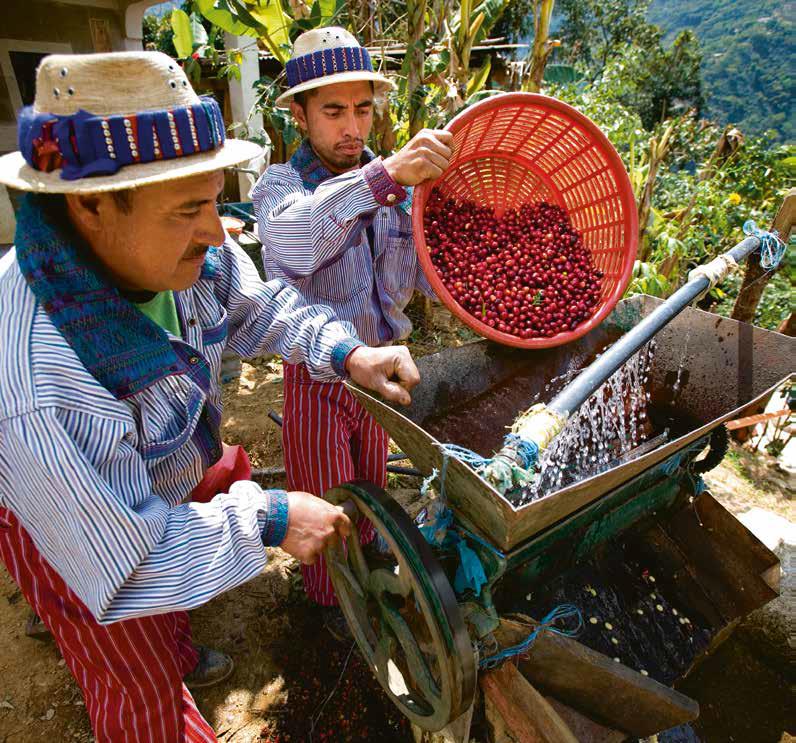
(396, 470)
(590, 379)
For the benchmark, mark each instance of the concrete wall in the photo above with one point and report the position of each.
(34, 26)
(48, 20)
(38, 26)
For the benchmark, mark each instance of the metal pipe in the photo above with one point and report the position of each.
(510, 466)
(590, 379)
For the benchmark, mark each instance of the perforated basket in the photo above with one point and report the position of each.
(521, 148)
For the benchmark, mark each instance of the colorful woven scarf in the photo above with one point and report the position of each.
(120, 347)
(313, 172)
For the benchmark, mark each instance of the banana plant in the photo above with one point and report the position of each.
(468, 27)
(542, 45)
(263, 19)
(190, 36)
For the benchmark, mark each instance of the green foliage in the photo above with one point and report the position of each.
(198, 35)
(613, 40)
(183, 33)
(748, 48)
(593, 30)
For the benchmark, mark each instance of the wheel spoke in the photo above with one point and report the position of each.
(382, 581)
(419, 672)
(357, 558)
(350, 578)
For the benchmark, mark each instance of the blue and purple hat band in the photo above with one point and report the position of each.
(84, 144)
(327, 62)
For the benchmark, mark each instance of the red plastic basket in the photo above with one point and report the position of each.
(520, 148)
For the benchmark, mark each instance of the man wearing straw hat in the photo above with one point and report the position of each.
(115, 307)
(335, 222)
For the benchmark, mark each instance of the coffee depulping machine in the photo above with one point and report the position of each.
(659, 571)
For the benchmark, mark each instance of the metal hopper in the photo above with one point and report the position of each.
(470, 395)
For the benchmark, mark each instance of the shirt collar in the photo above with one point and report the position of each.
(120, 347)
(312, 170)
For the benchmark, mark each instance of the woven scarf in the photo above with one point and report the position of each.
(313, 172)
(120, 347)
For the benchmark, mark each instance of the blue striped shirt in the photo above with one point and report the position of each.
(101, 483)
(316, 238)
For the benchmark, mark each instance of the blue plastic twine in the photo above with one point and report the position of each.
(528, 451)
(772, 247)
(562, 612)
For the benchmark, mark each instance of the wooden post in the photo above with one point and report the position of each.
(755, 278)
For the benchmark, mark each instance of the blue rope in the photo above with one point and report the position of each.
(528, 451)
(670, 465)
(482, 542)
(561, 612)
(772, 247)
(469, 457)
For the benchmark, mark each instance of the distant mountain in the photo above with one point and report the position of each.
(748, 63)
(163, 8)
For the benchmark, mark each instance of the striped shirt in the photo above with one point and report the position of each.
(314, 233)
(100, 483)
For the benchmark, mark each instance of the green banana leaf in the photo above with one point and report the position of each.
(183, 34)
(218, 13)
(479, 78)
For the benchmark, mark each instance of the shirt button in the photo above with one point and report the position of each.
(391, 197)
(193, 360)
(191, 321)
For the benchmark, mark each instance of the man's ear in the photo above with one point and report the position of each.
(85, 210)
(299, 115)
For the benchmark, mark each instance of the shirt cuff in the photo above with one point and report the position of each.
(384, 189)
(276, 522)
(340, 353)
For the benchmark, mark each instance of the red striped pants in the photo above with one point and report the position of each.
(328, 439)
(130, 672)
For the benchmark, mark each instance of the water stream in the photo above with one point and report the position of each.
(612, 422)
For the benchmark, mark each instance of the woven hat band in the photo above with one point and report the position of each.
(84, 145)
(327, 62)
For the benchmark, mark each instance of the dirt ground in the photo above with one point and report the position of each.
(291, 682)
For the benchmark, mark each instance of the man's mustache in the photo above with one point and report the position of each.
(196, 252)
(350, 142)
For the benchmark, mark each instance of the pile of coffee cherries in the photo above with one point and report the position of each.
(525, 273)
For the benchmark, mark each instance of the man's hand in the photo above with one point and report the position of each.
(376, 368)
(426, 156)
(312, 525)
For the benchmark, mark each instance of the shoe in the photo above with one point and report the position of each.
(37, 629)
(336, 624)
(212, 668)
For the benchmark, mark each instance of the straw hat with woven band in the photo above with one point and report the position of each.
(325, 56)
(106, 122)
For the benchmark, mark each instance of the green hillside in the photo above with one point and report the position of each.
(748, 61)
